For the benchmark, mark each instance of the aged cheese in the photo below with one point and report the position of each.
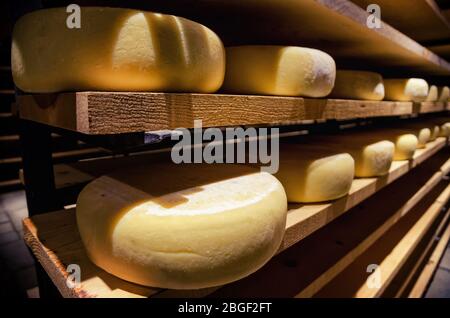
(444, 93)
(115, 49)
(422, 133)
(314, 175)
(279, 70)
(433, 94)
(372, 157)
(444, 130)
(182, 226)
(412, 89)
(358, 85)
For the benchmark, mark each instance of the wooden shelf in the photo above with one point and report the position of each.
(390, 253)
(342, 31)
(422, 20)
(99, 113)
(422, 282)
(55, 241)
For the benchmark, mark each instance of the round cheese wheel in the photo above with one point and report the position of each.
(433, 94)
(445, 130)
(372, 158)
(278, 70)
(405, 146)
(444, 93)
(435, 131)
(314, 175)
(115, 49)
(358, 85)
(182, 226)
(411, 89)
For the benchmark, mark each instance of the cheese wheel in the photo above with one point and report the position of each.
(433, 94)
(279, 70)
(310, 175)
(435, 131)
(115, 50)
(372, 158)
(423, 135)
(445, 130)
(412, 89)
(182, 226)
(444, 94)
(358, 85)
(405, 146)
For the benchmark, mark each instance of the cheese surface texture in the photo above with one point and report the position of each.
(115, 50)
(372, 157)
(182, 227)
(358, 85)
(314, 175)
(433, 94)
(412, 89)
(278, 70)
(444, 93)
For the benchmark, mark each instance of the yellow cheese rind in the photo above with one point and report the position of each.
(182, 227)
(411, 89)
(358, 85)
(115, 50)
(433, 94)
(314, 176)
(278, 70)
(444, 93)
(445, 130)
(405, 146)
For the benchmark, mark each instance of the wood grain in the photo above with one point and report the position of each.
(48, 235)
(110, 113)
(422, 20)
(422, 282)
(343, 30)
(390, 253)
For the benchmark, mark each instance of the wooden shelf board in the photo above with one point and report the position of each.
(429, 107)
(422, 282)
(47, 233)
(343, 30)
(390, 253)
(422, 20)
(112, 113)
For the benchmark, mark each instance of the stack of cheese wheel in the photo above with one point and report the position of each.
(421, 131)
(409, 89)
(182, 226)
(358, 85)
(278, 70)
(405, 142)
(311, 174)
(373, 156)
(115, 50)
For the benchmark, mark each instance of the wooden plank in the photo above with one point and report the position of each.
(429, 107)
(424, 278)
(110, 113)
(343, 31)
(49, 234)
(421, 20)
(389, 253)
(54, 239)
(406, 281)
